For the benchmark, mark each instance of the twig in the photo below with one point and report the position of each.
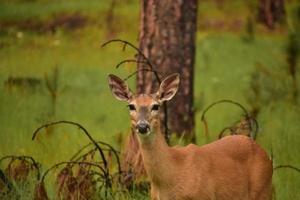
(86, 154)
(205, 127)
(246, 114)
(223, 131)
(110, 148)
(223, 101)
(148, 62)
(80, 150)
(130, 61)
(287, 166)
(86, 133)
(71, 162)
(124, 47)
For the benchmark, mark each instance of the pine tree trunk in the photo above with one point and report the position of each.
(167, 38)
(271, 12)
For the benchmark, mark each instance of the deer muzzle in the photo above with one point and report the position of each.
(143, 127)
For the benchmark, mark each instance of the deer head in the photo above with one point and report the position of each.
(144, 108)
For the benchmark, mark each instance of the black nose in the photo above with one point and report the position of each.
(143, 127)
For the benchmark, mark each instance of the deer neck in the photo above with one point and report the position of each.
(157, 157)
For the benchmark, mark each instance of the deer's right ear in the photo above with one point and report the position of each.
(119, 88)
(168, 87)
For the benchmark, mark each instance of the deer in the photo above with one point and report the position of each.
(232, 168)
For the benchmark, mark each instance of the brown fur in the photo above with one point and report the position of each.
(233, 168)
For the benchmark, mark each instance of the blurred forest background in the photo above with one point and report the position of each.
(53, 68)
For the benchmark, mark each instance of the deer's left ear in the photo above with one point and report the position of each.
(119, 88)
(168, 87)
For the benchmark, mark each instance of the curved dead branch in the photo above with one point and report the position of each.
(125, 43)
(224, 101)
(86, 133)
(253, 127)
(287, 166)
(110, 148)
(71, 162)
(223, 131)
(140, 53)
(130, 61)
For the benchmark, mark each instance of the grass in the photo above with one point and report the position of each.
(224, 67)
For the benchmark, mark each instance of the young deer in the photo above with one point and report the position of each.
(232, 168)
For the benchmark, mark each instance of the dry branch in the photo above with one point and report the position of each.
(287, 167)
(70, 162)
(109, 148)
(253, 125)
(87, 134)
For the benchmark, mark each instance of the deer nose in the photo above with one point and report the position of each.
(143, 127)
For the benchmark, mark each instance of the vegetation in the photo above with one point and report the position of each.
(51, 50)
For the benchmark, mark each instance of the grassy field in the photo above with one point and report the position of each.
(226, 66)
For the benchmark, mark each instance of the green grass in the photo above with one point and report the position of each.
(224, 65)
(43, 9)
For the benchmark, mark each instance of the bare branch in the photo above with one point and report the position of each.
(86, 133)
(110, 148)
(130, 60)
(248, 118)
(223, 131)
(140, 53)
(287, 166)
(72, 162)
(129, 44)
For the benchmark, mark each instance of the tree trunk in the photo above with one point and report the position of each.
(167, 38)
(110, 19)
(271, 12)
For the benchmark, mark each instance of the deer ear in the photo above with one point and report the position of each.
(168, 87)
(119, 88)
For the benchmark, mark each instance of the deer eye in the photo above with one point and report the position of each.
(131, 107)
(155, 107)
